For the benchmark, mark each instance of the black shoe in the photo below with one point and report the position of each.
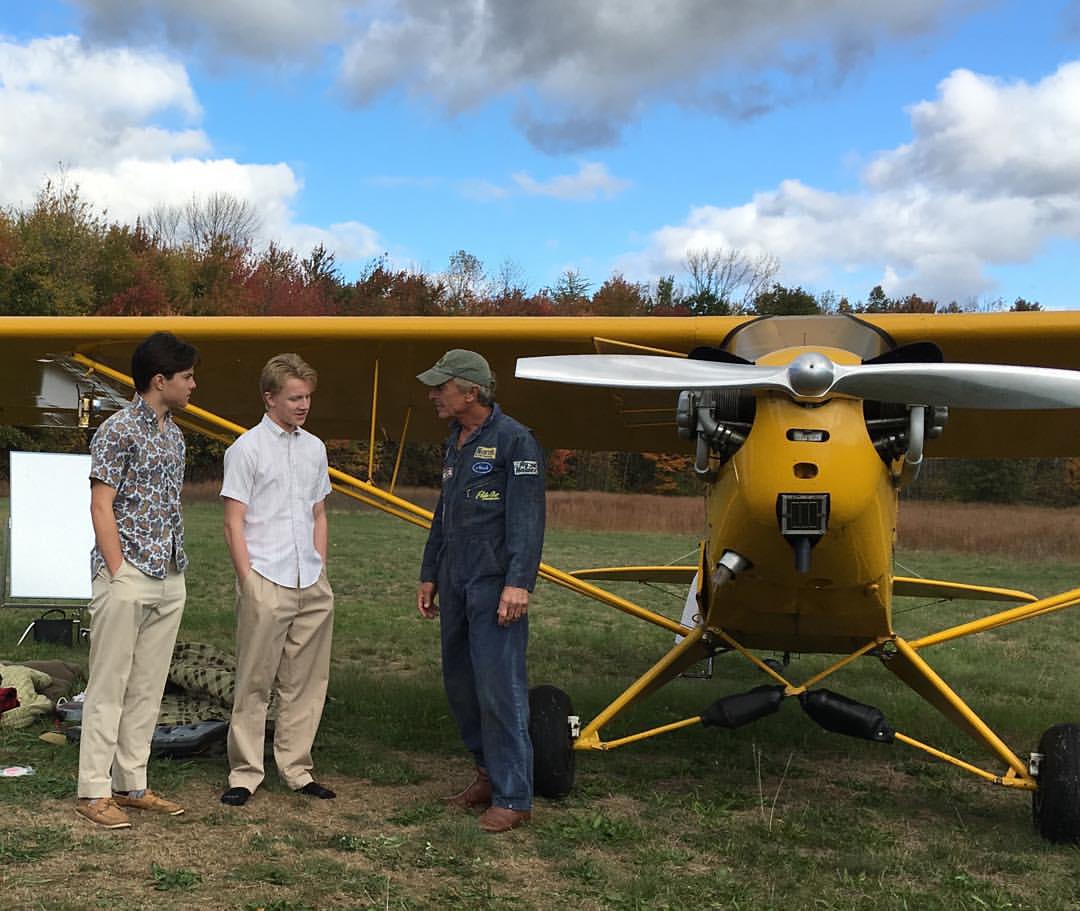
(314, 789)
(236, 797)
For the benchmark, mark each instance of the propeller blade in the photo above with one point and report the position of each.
(988, 386)
(646, 371)
(814, 377)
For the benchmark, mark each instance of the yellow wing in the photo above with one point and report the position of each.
(347, 352)
(1034, 339)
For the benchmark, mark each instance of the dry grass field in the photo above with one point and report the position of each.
(1023, 532)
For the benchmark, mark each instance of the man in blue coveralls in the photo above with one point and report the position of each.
(482, 557)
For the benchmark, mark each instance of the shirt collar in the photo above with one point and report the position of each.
(145, 413)
(270, 424)
(455, 427)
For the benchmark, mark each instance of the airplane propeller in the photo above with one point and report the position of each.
(815, 377)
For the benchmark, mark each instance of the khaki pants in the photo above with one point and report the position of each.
(283, 635)
(134, 619)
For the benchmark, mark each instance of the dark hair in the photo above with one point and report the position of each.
(161, 353)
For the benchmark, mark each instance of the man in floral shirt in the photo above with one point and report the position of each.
(137, 565)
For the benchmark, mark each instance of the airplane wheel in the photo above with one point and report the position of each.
(553, 748)
(1056, 804)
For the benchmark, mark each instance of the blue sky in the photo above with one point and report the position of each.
(932, 147)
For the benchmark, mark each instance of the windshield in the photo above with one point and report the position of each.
(770, 333)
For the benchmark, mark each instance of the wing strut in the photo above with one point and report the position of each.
(400, 449)
(374, 419)
(1002, 618)
(369, 493)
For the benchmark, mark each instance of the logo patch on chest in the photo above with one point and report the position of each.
(481, 467)
(447, 473)
(489, 496)
(526, 467)
(485, 452)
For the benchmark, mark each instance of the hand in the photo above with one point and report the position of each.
(425, 601)
(513, 605)
(113, 572)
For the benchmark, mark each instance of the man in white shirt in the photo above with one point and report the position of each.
(275, 486)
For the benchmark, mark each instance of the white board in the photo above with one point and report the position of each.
(50, 534)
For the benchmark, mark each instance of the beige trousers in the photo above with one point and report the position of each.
(283, 636)
(134, 619)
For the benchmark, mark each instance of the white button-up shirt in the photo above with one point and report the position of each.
(280, 476)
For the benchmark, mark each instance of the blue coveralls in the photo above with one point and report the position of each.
(487, 533)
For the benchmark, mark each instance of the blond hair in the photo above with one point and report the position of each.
(283, 367)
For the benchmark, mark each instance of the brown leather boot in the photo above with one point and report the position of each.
(503, 819)
(476, 795)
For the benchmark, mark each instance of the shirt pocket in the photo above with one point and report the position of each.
(309, 475)
(484, 504)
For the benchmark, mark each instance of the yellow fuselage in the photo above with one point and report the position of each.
(845, 598)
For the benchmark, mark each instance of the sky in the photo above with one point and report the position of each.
(929, 146)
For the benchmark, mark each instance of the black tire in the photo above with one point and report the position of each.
(553, 748)
(1055, 806)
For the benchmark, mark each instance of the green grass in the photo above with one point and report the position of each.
(166, 880)
(776, 815)
(28, 845)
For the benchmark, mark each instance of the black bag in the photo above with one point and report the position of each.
(59, 630)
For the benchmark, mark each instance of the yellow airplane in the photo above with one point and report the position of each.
(803, 431)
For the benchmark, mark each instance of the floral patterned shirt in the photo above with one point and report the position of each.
(145, 466)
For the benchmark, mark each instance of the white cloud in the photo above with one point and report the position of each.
(482, 190)
(93, 108)
(591, 180)
(993, 138)
(132, 187)
(992, 174)
(91, 112)
(350, 241)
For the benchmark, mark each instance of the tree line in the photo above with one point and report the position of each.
(62, 256)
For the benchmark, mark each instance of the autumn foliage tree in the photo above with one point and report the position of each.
(60, 256)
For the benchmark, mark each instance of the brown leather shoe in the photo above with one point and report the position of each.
(503, 819)
(104, 812)
(476, 795)
(149, 801)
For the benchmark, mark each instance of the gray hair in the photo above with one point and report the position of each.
(485, 395)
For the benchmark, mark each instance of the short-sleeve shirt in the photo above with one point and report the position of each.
(144, 464)
(280, 476)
